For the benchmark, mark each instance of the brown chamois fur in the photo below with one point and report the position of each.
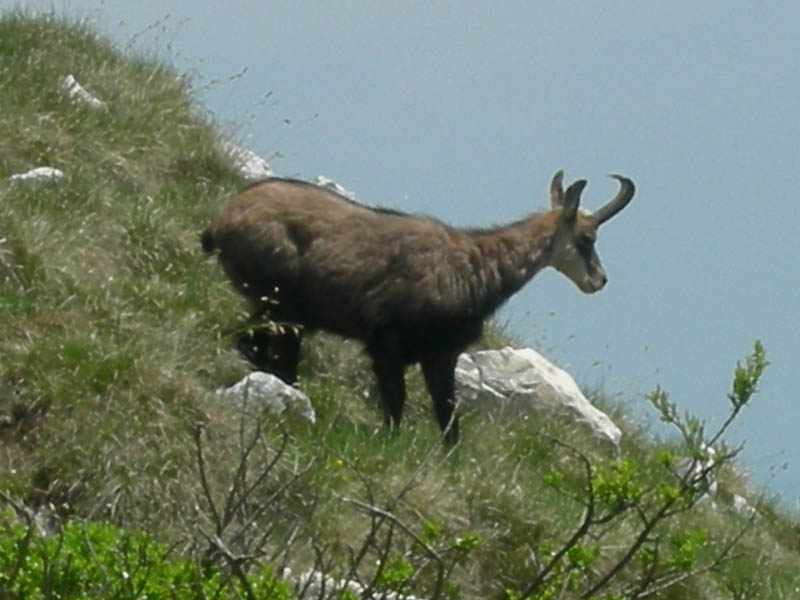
(412, 289)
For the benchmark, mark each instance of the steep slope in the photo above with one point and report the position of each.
(116, 330)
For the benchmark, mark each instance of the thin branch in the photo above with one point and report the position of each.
(24, 545)
(722, 557)
(269, 500)
(383, 555)
(240, 477)
(95, 558)
(244, 495)
(649, 576)
(628, 555)
(375, 511)
(583, 528)
(201, 465)
(235, 562)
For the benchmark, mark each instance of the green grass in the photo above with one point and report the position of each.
(115, 335)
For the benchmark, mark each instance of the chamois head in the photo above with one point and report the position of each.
(573, 247)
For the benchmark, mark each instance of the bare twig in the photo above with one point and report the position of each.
(383, 514)
(201, 466)
(24, 545)
(722, 557)
(586, 522)
(234, 562)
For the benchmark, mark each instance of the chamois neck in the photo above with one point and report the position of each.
(512, 254)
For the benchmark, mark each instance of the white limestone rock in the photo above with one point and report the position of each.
(269, 391)
(521, 381)
(330, 184)
(38, 174)
(250, 165)
(701, 471)
(742, 507)
(79, 94)
(312, 585)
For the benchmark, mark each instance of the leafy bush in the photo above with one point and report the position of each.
(100, 560)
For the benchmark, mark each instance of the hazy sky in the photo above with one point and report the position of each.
(464, 110)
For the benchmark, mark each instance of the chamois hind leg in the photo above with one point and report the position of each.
(439, 372)
(284, 352)
(390, 374)
(274, 348)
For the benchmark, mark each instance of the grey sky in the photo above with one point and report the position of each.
(464, 110)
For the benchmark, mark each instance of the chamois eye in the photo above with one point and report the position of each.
(585, 241)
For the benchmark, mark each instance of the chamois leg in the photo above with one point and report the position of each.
(270, 350)
(439, 372)
(390, 375)
(274, 353)
(284, 351)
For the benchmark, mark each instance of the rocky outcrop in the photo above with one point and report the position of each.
(521, 381)
(249, 164)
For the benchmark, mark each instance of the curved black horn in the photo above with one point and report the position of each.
(618, 202)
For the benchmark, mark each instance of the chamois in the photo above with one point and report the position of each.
(411, 288)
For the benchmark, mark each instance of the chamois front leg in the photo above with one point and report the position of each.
(439, 372)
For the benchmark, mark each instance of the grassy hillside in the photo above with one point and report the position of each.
(116, 331)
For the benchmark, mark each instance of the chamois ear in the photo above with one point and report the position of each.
(572, 198)
(557, 190)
